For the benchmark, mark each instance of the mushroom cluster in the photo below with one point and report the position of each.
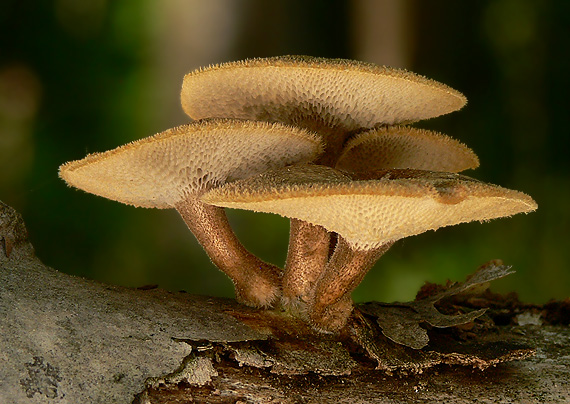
(322, 142)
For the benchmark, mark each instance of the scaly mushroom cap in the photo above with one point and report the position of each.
(161, 170)
(315, 92)
(370, 212)
(405, 147)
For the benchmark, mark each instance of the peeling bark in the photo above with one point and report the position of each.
(69, 340)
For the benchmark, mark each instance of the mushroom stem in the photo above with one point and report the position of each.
(331, 304)
(334, 140)
(310, 245)
(256, 282)
(306, 259)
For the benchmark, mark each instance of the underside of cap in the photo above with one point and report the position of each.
(161, 170)
(405, 147)
(371, 212)
(315, 92)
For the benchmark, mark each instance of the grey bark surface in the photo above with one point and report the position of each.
(65, 339)
(71, 340)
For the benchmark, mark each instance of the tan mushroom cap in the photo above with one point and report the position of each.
(299, 89)
(369, 213)
(161, 170)
(405, 147)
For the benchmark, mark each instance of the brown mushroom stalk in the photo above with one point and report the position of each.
(307, 255)
(174, 168)
(332, 97)
(309, 245)
(331, 302)
(256, 282)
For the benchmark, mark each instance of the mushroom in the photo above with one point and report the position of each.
(405, 147)
(332, 97)
(369, 212)
(174, 168)
(380, 148)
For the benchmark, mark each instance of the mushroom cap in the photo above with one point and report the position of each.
(370, 212)
(405, 147)
(161, 170)
(315, 92)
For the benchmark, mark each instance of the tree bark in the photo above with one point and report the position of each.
(66, 339)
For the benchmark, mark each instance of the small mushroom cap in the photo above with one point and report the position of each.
(161, 170)
(370, 212)
(405, 147)
(312, 92)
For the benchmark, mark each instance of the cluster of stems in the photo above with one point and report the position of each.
(321, 270)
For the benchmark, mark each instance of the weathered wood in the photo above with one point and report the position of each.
(542, 379)
(70, 340)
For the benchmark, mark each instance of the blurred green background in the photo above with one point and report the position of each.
(84, 76)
